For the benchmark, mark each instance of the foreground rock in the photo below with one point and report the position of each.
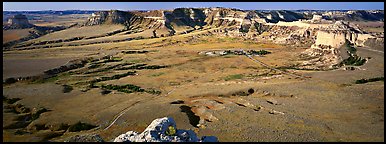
(163, 130)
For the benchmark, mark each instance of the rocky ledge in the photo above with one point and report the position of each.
(163, 130)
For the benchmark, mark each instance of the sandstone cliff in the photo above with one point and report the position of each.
(18, 21)
(317, 30)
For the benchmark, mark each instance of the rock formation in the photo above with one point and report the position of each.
(317, 30)
(243, 20)
(18, 21)
(327, 50)
(163, 130)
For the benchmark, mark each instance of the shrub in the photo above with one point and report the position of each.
(10, 100)
(362, 81)
(260, 52)
(151, 91)
(79, 126)
(251, 91)
(353, 60)
(67, 88)
(104, 92)
(10, 80)
(142, 66)
(129, 88)
(134, 52)
(94, 66)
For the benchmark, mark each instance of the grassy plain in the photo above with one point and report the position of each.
(329, 106)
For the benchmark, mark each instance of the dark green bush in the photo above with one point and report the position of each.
(354, 60)
(129, 88)
(151, 91)
(362, 81)
(79, 126)
(260, 52)
(67, 88)
(104, 92)
(142, 66)
(10, 81)
(94, 66)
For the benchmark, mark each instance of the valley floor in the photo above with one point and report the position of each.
(327, 106)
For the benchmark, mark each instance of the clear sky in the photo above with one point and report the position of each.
(32, 6)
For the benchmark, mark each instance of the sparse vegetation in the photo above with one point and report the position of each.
(10, 100)
(203, 73)
(152, 91)
(142, 66)
(362, 81)
(10, 80)
(134, 52)
(92, 66)
(157, 74)
(354, 60)
(79, 126)
(113, 59)
(108, 68)
(67, 88)
(233, 77)
(128, 88)
(260, 52)
(118, 76)
(104, 92)
(45, 80)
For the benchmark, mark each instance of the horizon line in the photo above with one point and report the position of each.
(190, 7)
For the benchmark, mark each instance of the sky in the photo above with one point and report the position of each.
(33, 6)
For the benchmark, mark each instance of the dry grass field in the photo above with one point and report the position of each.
(236, 98)
(58, 20)
(15, 34)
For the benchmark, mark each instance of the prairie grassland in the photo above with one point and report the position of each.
(325, 107)
(15, 34)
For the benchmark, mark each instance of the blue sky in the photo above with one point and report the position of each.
(18, 6)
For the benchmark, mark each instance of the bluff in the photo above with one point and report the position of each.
(18, 21)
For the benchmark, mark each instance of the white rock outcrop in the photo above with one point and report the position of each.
(159, 131)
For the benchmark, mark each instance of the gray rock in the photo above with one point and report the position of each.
(157, 132)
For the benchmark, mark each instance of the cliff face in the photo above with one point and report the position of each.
(315, 29)
(109, 17)
(329, 49)
(242, 21)
(18, 22)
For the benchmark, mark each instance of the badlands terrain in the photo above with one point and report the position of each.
(238, 75)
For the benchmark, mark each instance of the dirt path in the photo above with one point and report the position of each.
(267, 66)
(117, 116)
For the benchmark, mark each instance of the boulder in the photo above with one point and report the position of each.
(163, 130)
